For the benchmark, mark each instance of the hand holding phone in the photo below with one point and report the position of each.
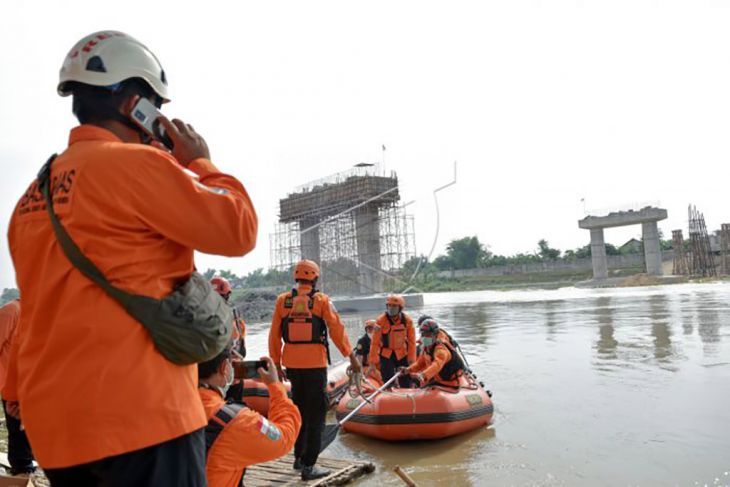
(248, 369)
(147, 117)
(188, 145)
(270, 373)
(180, 138)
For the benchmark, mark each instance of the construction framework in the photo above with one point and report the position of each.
(680, 267)
(725, 248)
(352, 224)
(703, 262)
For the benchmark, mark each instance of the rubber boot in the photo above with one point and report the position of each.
(297, 464)
(314, 472)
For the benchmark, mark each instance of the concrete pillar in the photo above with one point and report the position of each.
(598, 254)
(367, 228)
(652, 248)
(309, 241)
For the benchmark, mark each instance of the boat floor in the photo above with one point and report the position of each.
(280, 473)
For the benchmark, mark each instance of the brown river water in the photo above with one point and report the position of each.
(611, 387)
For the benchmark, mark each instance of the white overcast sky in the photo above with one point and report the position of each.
(541, 102)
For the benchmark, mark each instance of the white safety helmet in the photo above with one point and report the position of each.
(109, 57)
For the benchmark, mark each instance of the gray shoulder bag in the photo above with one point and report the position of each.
(192, 324)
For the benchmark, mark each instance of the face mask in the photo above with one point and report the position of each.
(229, 379)
(370, 335)
(392, 311)
(427, 341)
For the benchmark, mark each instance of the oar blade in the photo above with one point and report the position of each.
(328, 435)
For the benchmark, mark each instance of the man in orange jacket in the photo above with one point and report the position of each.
(439, 362)
(20, 455)
(394, 341)
(100, 404)
(303, 319)
(237, 437)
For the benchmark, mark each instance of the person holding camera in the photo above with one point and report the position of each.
(237, 437)
(100, 242)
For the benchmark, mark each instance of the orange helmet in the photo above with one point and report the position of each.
(307, 270)
(221, 285)
(395, 300)
(370, 324)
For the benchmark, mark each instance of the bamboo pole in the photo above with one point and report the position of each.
(404, 476)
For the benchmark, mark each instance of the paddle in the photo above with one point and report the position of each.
(330, 430)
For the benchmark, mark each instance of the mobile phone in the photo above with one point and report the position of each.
(146, 116)
(247, 369)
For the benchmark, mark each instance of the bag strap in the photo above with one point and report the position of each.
(72, 251)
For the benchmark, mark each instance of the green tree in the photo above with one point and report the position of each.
(228, 275)
(583, 252)
(547, 253)
(209, 274)
(443, 263)
(612, 250)
(467, 253)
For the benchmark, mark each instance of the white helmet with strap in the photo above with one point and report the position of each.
(109, 57)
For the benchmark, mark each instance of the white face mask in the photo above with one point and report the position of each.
(370, 335)
(392, 310)
(427, 341)
(229, 379)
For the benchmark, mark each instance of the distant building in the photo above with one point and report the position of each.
(715, 242)
(633, 246)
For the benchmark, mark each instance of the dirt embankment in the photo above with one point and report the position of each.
(254, 305)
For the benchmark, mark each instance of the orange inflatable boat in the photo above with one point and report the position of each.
(256, 394)
(419, 414)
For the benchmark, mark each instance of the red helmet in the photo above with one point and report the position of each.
(221, 285)
(395, 300)
(370, 324)
(306, 270)
(429, 325)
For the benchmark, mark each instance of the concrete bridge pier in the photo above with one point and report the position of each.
(652, 248)
(309, 240)
(647, 217)
(598, 254)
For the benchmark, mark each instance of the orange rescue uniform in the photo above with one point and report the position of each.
(307, 355)
(9, 318)
(239, 334)
(90, 382)
(431, 367)
(249, 438)
(402, 339)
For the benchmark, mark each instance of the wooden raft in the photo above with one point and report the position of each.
(280, 473)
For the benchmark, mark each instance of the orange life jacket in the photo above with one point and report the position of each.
(454, 367)
(396, 338)
(299, 325)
